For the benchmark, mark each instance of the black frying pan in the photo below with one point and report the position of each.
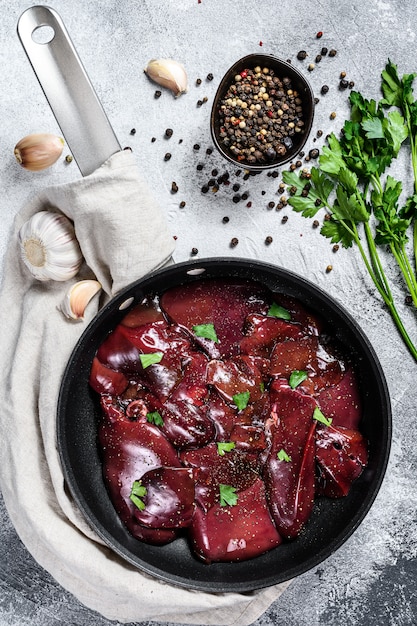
(332, 521)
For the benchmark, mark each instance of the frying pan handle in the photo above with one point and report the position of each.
(67, 88)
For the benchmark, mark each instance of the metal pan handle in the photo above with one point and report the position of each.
(67, 88)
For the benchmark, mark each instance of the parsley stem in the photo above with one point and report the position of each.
(407, 272)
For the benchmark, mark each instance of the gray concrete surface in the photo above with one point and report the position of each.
(372, 579)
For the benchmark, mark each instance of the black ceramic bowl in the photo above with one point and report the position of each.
(281, 69)
(331, 522)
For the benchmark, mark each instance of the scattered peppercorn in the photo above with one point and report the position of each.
(342, 74)
(210, 76)
(236, 187)
(225, 220)
(351, 84)
(167, 156)
(332, 52)
(249, 204)
(329, 269)
(268, 240)
(318, 202)
(234, 242)
(284, 219)
(194, 251)
(316, 224)
(198, 81)
(153, 139)
(245, 195)
(199, 103)
(335, 247)
(236, 198)
(332, 115)
(158, 94)
(324, 89)
(271, 205)
(314, 153)
(318, 58)
(174, 187)
(196, 146)
(133, 131)
(68, 158)
(209, 150)
(319, 133)
(169, 132)
(182, 204)
(408, 300)
(200, 166)
(316, 100)
(204, 189)
(302, 54)
(343, 84)
(323, 52)
(319, 34)
(311, 67)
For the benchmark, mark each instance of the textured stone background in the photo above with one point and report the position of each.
(372, 579)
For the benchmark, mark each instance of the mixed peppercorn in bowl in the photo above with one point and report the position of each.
(262, 112)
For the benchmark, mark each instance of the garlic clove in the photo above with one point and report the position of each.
(38, 151)
(49, 248)
(168, 73)
(77, 298)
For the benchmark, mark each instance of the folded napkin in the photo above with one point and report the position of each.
(123, 236)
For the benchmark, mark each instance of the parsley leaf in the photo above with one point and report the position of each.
(155, 418)
(151, 358)
(241, 400)
(206, 331)
(137, 493)
(296, 378)
(283, 456)
(275, 310)
(228, 495)
(318, 415)
(225, 446)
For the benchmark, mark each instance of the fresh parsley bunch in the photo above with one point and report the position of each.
(361, 200)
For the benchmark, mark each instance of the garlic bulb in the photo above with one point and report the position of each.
(77, 298)
(49, 248)
(168, 73)
(38, 151)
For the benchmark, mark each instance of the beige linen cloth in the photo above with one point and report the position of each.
(123, 236)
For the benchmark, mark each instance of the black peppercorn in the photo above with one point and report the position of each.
(236, 198)
(209, 150)
(271, 205)
(198, 81)
(318, 58)
(200, 166)
(194, 251)
(332, 53)
(182, 204)
(169, 132)
(158, 94)
(302, 54)
(335, 247)
(153, 139)
(323, 52)
(268, 240)
(133, 131)
(225, 219)
(174, 187)
(234, 242)
(314, 153)
(284, 219)
(167, 156)
(196, 146)
(204, 189)
(324, 89)
(210, 76)
(316, 224)
(199, 103)
(343, 84)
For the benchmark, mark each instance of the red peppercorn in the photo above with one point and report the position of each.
(319, 34)
(243, 73)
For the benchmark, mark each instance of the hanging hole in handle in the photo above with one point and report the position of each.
(43, 34)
